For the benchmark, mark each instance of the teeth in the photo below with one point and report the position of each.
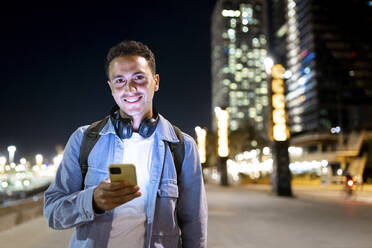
(132, 100)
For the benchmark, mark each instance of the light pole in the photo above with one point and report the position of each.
(39, 159)
(222, 118)
(2, 164)
(201, 135)
(279, 134)
(11, 150)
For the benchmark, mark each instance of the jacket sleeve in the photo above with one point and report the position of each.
(192, 205)
(66, 205)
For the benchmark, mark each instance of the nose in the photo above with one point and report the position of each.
(130, 86)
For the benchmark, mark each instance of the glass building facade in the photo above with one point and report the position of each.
(239, 47)
(328, 49)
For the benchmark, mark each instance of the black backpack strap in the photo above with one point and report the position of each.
(178, 150)
(91, 136)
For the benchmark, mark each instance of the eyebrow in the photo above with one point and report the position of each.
(136, 73)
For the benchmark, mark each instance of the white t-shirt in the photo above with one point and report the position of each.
(128, 226)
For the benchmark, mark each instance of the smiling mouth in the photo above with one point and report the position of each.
(132, 99)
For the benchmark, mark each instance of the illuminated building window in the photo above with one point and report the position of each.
(233, 125)
(262, 40)
(244, 47)
(233, 22)
(226, 82)
(257, 78)
(245, 72)
(250, 62)
(258, 119)
(255, 42)
(250, 55)
(263, 90)
(238, 53)
(245, 29)
(230, 13)
(231, 33)
(224, 35)
(225, 70)
(233, 110)
(238, 77)
(239, 66)
(233, 86)
(240, 115)
(245, 84)
(239, 94)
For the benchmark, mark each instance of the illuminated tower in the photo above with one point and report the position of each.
(329, 52)
(239, 47)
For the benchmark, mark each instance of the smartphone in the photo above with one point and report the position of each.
(123, 172)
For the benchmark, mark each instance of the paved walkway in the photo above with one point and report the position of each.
(250, 216)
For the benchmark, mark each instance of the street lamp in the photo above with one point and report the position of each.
(279, 133)
(201, 135)
(11, 150)
(222, 118)
(2, 164)
(39, 159)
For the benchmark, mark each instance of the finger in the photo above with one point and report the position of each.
(126, 198)
(121, 192)
(114, 185)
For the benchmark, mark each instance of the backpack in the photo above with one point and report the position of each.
(91, 136)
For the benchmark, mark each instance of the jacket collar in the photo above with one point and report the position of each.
(164, 130)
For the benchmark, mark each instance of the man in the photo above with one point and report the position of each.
(165, 209)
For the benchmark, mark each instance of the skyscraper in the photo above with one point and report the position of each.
(329, 52)
(327, 45)
(239, 47)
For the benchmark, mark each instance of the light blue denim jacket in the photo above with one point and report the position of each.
(176, 213)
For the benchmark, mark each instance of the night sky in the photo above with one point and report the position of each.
(52, 66)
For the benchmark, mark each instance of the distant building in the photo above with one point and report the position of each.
(327, 45)
(239, 47)
(329, 51)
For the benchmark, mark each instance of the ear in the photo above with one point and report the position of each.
(157, 79)
(108, 82)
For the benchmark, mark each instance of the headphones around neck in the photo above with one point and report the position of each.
(124, 127)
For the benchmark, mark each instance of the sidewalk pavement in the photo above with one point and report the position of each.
(251, 216)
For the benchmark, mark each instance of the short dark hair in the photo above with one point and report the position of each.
(130, 48)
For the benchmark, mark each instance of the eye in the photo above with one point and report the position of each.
(119, 81)
(139, 78)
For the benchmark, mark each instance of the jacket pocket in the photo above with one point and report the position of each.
(165, 217)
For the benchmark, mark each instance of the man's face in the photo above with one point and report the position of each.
(133, 85)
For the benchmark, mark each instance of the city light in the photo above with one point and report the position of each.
(222, 117)
(230, 13)
(11, 150)
(39, 159)
(268, 62)
(57, 159)
(2, 161)
(280, 130)
(201, 135)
